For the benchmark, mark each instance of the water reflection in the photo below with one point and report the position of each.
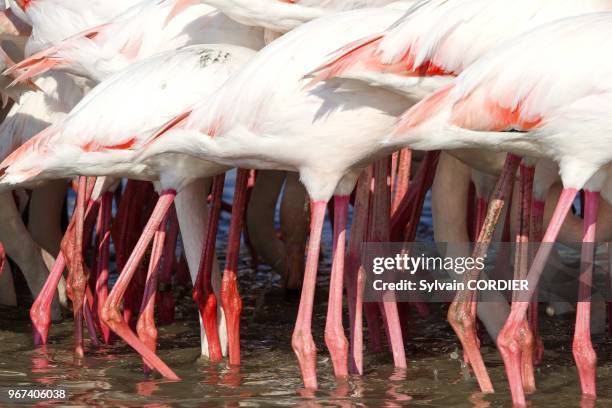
(146, 388)
(478, 400)
(396, 381)
(231, 378)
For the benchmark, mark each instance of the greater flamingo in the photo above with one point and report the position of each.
(55, 20)
(422, 52)
(264, 118)
(560, 111)
(101, 137)
(139, 32)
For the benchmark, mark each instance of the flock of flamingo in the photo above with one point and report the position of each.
(311, 99)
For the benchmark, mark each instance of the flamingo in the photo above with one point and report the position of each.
(139, 32)
(421, 52)
(103, 49)
(264, 118)
(100, 137)
(431, 64)
(282, 16)
(155, 26)
(560, 111)
(55, 20)
(35, 111)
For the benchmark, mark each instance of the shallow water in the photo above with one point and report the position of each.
(269, 376)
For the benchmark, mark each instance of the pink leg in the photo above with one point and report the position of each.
(411, 203)
(77, 276)
(301, 341)
(147, 332)
(521, 266)
(40, 312)
(380, 233)
(203, 293)
(419, 191)
(2, 258)
(609, 288)
(586, 359)
(461, 314)
(403, 178)
(230, 298)
(111, 314)
(481, 212)
(334, 331)
(166, 300)
(371, 310)
(537, 224)
(355, 273)
(508, 340)
(106, 208)
(91, 327)
(247, 237)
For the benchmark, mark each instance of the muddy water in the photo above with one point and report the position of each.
(112, 375)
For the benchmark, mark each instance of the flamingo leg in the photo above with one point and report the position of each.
(371, 309)
(203, 293)
(335, 338)
(230, 298)
(166, 300)
(481, 212)
(40, 312)
(77, 276)
(586, 359)
(91, 326)
(482, 204)
(355, 273)
(145, 327)
(111, 314)
(106, 207)
(2, 258)
(609, 288)
(301, 340)
(403, 178)
(461, 314)
(411, 204)
(380, 233)
(521, 267)
(537, 217)
(507, 341)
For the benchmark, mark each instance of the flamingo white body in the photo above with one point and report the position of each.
(264, 118)
(282, 16)
(156, 26)
(440, 38)
(491, 84)
(55, 20)
(561, 112)
(101, 136)
(139, 32)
